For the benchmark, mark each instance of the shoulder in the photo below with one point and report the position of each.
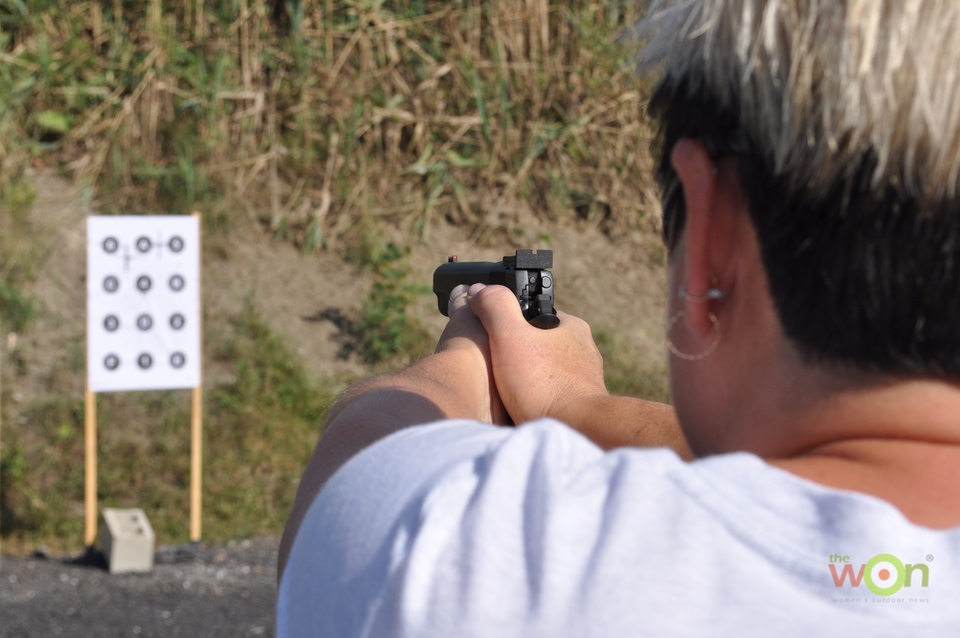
(536, 531)
(545, 456)
(545, 472)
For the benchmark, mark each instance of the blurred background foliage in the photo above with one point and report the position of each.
(315, 118)
(317, 111)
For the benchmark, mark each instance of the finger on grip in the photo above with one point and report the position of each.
(496, 307)
(458, 299)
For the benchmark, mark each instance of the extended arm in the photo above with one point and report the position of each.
(559, 373)
(455, 382)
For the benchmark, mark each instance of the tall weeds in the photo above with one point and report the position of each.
(316, 111)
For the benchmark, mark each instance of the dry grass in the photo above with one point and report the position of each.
(407, 111)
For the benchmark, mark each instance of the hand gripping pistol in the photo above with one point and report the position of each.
(525, 274)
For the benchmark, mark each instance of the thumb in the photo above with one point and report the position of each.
(496, 307)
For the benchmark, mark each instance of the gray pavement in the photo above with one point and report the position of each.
(224, 590)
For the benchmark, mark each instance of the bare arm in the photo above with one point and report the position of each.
(559, 373)
(455, 382)
(613, 421)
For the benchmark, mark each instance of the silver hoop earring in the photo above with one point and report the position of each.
(712, 295)
(693, 357)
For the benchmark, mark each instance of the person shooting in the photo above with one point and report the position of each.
(807, 470)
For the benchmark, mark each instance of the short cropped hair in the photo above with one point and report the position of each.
(844, 117)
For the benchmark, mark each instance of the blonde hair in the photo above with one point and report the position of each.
(817, 82)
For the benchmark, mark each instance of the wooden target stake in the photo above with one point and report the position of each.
(196, 464)
(90, 453)
(196, 426)
(1, 396)
(90, 480)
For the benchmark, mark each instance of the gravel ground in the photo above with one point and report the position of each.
(227, 590)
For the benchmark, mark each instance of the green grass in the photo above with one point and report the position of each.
(626, 374)
(387, 329)
(19, 245)
(15, 309)
(263, 428)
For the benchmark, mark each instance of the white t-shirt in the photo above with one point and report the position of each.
(462, 529)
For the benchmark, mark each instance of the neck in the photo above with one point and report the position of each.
(898, 441)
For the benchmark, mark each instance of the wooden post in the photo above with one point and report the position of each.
(90, 449)
(2, 339)
(196, 417)
(196, 463)
(90, 483)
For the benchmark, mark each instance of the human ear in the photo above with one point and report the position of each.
(704, 234)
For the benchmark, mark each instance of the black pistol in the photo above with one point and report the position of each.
(525, 274)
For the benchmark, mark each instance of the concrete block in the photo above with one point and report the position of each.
(127, 540)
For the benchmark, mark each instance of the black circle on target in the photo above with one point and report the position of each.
(111, 283)
(176, 283)
(144, 322)
(110, 245)
(145, 361)
(144, 244)
(111, 362)
(177, 321)
(144, 283)
(177, 359)
(176, 244)
(111, 323)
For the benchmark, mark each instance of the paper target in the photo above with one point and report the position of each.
(143, 302)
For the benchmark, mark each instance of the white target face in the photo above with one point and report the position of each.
(143, 302)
